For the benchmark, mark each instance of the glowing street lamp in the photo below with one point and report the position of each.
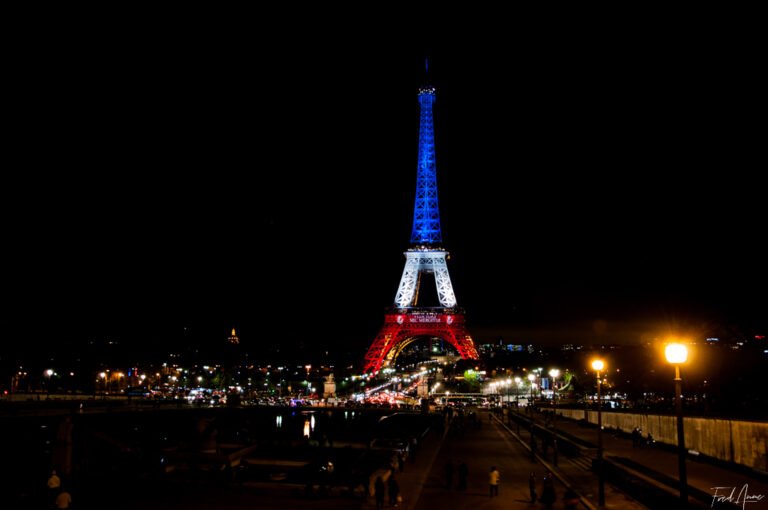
(554, 374)
(678, 354)
(531, 378)
(598, 365)
(49, 373)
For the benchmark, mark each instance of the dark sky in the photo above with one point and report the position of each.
(594, 185)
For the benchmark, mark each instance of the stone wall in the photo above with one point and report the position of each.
(742, 442)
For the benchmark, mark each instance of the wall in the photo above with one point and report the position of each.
(742, 442)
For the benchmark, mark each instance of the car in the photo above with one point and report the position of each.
(395, 445)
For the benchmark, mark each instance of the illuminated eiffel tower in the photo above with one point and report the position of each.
(406, 321)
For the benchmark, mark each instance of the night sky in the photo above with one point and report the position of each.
(594, 187)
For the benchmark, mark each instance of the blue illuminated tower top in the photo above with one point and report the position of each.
(426, 215)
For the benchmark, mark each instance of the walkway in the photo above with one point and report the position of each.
(492, 444)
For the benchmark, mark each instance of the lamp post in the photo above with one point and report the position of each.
(518, 385)
(554, 373)
(677, 354)
(103, 377)
(531, 378)
(598, 365)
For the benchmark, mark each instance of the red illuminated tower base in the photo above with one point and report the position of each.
(400, 329)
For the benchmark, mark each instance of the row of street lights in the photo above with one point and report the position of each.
(676, 354)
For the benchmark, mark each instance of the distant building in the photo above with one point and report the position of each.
(233, 338)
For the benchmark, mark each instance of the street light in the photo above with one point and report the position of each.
(531, 378)
(677, 354)
(554, 374)
(507, 383)
(49, 373)
(598, 365)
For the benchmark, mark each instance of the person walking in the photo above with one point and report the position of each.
(393, 488)
(548, 496)
(570, 499)
(379, 489)
(54, 486)
(493, 479)
(463, 474)
(448, 474)
(532, 487)
(63, 500)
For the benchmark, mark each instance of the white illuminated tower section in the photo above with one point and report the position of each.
(408, 320)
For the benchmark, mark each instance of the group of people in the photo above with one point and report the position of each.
(547, 498)
(463, 473)
(638, 441)
(58, 496)
(548, 495)
(381, 489)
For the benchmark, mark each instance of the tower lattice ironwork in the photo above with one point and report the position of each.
(407, 321)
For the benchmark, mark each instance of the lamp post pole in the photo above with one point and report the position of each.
(554, 373)
(518, 383)
(599, 365)
(677, 354)
(680, 438)
(532, 378)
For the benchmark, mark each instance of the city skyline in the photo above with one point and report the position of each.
(594, 193)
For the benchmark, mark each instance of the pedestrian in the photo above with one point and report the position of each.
(570, 499)
(393, 488)
(448, 474)
(63, 500)
(378, 491)
(548, 496)
(532, 487)
(54, 486)
(493, 479)
(463, 474)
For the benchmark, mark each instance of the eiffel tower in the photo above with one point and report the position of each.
(407, 321)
